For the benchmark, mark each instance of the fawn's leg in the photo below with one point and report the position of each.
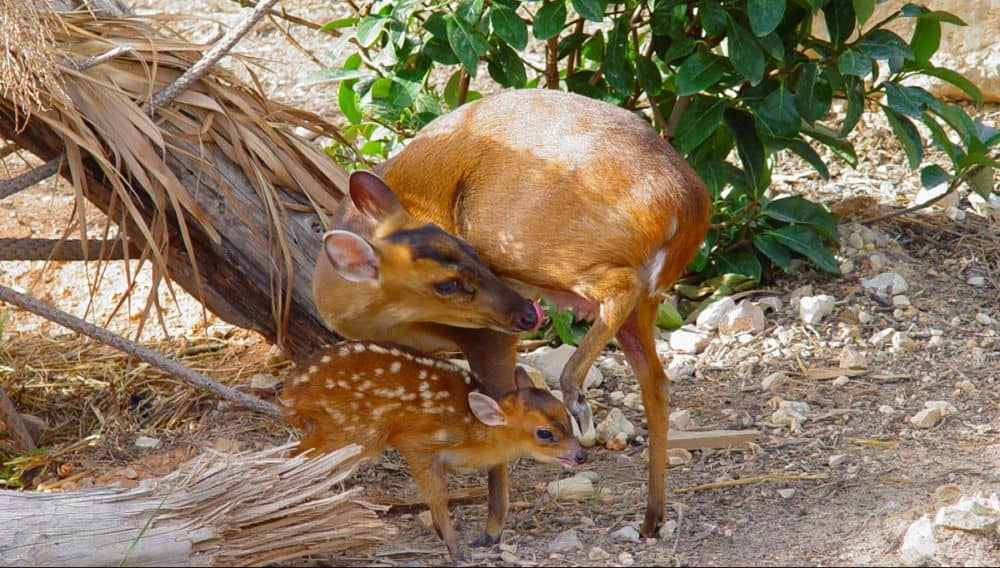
(429, 476)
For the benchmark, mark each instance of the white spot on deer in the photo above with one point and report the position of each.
(365, 385)
(359, 395)
(344, 351)
(313, 369)
(384, 393)
(343, 384)
(329, 384)
(468, 379)
(359, 347)
(395, 367)
(444, 365)
(326, 359)
(441, 395)
(409, 396)
(378, 349)
(354, 405)
(467, 420)
(654, 267)
(301, 379)
(427, 403)
(425, 361)
(441, 435)
(356, 377)
(379, 371)
(434, 376)
(395, 352)
(450, 408)
(378, 412)
(422, 375)
(426, 395)
(423, 387)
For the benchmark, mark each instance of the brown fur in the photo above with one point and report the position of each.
(379, 395)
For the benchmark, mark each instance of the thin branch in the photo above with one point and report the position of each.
(955, 183)
(290, 18)
(463, 86)
(29, 178)
(675, 116)
(138, 351)
(552, 63)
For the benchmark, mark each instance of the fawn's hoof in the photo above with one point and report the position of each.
(484, 540)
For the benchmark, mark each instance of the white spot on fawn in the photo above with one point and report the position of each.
(395, 367)
(378, 349)
(409, 396)
(425, 361)
(326, 359)
(329, 384)
(423, 387)
(442, 395)
(378, 412)
(344, 351)
(343, 384)
(426, 395)
(395, 352)
(468, 379)
(359, 347)
(441, 435)
(355, 377)
(301, 379)
(434, 376)
(359, 395)
(422, 375)
(365, 386)
(379, 371)
(354, 405)
(313, 369)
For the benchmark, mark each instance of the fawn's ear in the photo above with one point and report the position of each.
(521, 378)
(351, 256)
(372, 196)
(486, 409)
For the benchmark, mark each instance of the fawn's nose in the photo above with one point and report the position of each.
(531, 319)
(580, 456)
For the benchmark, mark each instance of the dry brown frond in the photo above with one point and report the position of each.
(28, 59)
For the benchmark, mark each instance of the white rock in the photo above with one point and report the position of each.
(983, 319)
(966, 516)
(786, 493)
(147, 442)
(589, 474)
(616, 396)
(901, 301)
(965, 386)
(626, 558)
(791, 413)
(710, 317)
(689, 339)
(856, 240)
(668, 529)
(988, 209)
(263, 381)
(864, 317)
(799, 293)
(552, 361)
(977, 281)
(956, 321)
(633, 400)
(847, 266)
(902, 341)
(772, 380)
(879, 337)
(571, 489)
(944, 406)
(887, 284)
(926, 418)
(812, 309)
(746, 317)
(928, 193)
(130, 473)
(598, 554)
(837, 459)
(955, 214)
(613, 424)
(680, 419)
(841, 381)
(886, 409)
(919, 545)
(852, 359)
(625, 534)
(566, 541)
(772, 303)
(876, 261)
(680, 368)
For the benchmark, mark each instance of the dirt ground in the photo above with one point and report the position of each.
(851, 510)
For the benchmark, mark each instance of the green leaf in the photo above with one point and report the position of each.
(907, 134)
(773, 249)
(648, 76)
(699, 72)
(864, 10)
(741, 262)
(805, 240)
(470, 11)
(934, 175)
(855, 63)
(339, 23)
(506, 68)
(801, 211)
(679, 49)
(987, 134)
(941, 140)
(437, 24)
(744, 53)
(467, 44)
(439, 50)
(772, 46)
(765, 15)
(748, 146)
(883, 44)
(982, 182)
(617, 68)
(955, 78)
(331, 74)
(840, 147)
(451, 89)
(854, 89)
(549, 19)
(347, 100)
(901, 99)
(509, 26)
(592, 10)
(839, 16)
(813, 94)
(802, 148)
(958, 120)
(369, 28)
(699, 121)
(712, 16)
(915, 11)
(926, 40)
(667, 317)
(779, 114)
(593, 48)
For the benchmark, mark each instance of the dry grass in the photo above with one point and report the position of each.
(28, 60)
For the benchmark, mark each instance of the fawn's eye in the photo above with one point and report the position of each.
(448, 287)
(544, 434)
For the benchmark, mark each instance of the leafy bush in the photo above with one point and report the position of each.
(712, 75)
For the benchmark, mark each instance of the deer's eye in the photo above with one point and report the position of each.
(448, 287)
(544, 434)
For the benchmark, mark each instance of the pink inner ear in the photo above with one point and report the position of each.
(372, 196)
(521, 378)
(486, 410)
(351, 256)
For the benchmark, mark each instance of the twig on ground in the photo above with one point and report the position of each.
(751, 480)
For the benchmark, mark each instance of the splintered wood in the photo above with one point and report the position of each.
(218, 510)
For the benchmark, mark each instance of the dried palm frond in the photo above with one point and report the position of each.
(103, 122)
(249, 509)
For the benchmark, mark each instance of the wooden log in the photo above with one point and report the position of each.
(251, 509)
(692, 440)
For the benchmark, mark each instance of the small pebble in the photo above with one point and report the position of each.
(983, 319)
(130, 473)
(786, 493)
(956, 321)
(668, 529)
(901, 301)
(147, 442)
(598, 554)
(837, 459)
(841, 381)
(625, 534)
(977, 281)
(886, 409)
(509, 557)
(926, 418)
(626, 558)
(864, 317)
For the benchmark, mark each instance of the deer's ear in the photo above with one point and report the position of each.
(486, 410)
(351, 256)
(521, 378)
(372, 196)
